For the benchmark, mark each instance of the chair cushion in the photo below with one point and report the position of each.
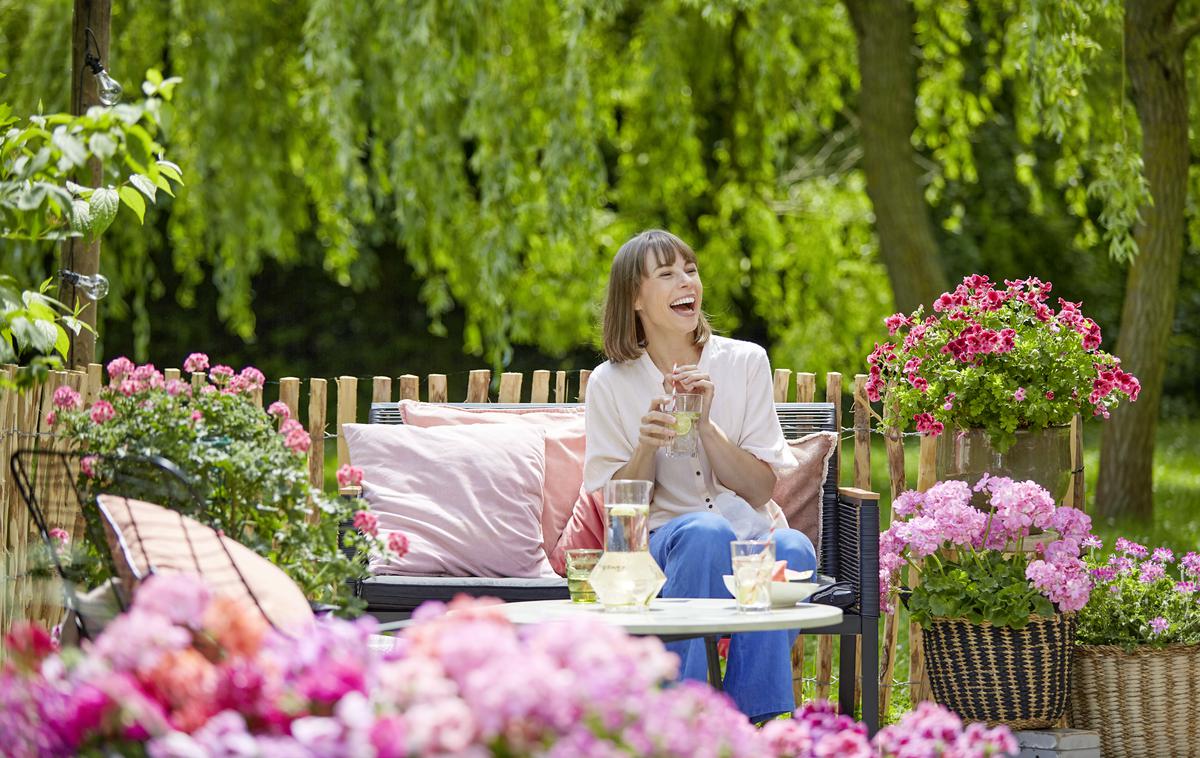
(798, 491)
(564, 450)
(585, 529)
(469, 498)
(145, 538)
(404, 593)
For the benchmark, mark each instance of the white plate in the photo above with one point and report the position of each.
(784, 594)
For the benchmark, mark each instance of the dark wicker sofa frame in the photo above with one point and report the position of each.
(848, 552)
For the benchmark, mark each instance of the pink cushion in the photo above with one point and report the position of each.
(469, 498)
(585, 529)
(564, 450)
(798, 491)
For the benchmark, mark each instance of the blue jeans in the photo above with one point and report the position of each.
(693, 551)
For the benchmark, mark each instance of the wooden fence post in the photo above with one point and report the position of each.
(477, 385)
(410, 387)
(381, 389)
(584, 375)
(510, 387)
(540, 390)
(806, 387)
(437, 388)
(317, 393)
(1075, 490)
(347, 413)
(782, 383)
(560, 386)
(289, 395)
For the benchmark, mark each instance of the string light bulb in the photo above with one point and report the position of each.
(93, 287)
(108, 89)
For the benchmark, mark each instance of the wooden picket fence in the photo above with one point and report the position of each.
(22, 425)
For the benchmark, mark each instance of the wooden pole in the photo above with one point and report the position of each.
(79, 255)
(317, 393)
(410, 387)
(437, 388)
(540, 391)
(289, 395)
(560, 386)
(584, 374)
(381, 389)
(477, 385)
(347, 413)
(806, 387)
(782, 383)
(510, 387)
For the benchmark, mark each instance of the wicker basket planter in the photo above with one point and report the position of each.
(1018, 677)
(1145, 702)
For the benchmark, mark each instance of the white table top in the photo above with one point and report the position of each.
(682, 616)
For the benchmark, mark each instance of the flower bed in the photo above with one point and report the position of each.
(185, 674)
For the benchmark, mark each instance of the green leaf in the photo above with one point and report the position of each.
(133, 200)
(81, 217)
(104, 204)
(63, 344)
(102, 145)
(144, 183)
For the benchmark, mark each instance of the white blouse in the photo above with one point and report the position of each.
(619, 394)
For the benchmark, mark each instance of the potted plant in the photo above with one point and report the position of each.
(996, 606)
(1002, 373)
(1136, 677)
(248, 466)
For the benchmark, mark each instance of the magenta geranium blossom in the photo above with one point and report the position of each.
(995, 358)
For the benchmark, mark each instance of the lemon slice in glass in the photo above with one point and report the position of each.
(623, 510)
(683, 423)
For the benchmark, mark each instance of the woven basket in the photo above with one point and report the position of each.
(998, 675)
(1146, 702)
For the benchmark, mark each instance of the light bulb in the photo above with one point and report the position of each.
(92, 287)
(109, 89)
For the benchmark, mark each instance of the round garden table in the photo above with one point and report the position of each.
(673, 619)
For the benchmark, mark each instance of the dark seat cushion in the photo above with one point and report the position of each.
(403, 594)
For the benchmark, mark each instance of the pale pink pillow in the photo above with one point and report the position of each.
(585, 529)
(565, 440)
(469, 498)
(798, 491)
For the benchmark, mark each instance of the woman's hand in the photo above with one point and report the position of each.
(691, 379)
(658, 426)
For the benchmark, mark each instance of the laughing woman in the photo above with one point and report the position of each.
(657, 340)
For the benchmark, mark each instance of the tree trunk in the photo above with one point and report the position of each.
(78, 255)
(1155, 63)
(887, 116)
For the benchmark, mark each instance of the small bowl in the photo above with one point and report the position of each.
(784, 594)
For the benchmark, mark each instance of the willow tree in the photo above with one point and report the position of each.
(1108, 85)
(508, 148)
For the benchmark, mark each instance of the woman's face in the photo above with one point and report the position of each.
(670, 296)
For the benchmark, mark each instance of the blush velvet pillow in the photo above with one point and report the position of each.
(798, 491)
(469, 498)
(564, 450)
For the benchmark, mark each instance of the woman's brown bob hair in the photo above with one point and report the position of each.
(624, 337)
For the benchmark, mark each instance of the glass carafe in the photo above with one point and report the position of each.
(626, 578)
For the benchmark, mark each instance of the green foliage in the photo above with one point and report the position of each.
(1135, 588)
(33, 332)
(253, 486)
(987, 586)
(38, 198)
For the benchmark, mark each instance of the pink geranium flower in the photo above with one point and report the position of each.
(367, 523)
(280, 409)
(102, 411)
(349, 476)
(119, 367)
(220, 374)
(196, 363)
(397, 544)
(67, 399)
